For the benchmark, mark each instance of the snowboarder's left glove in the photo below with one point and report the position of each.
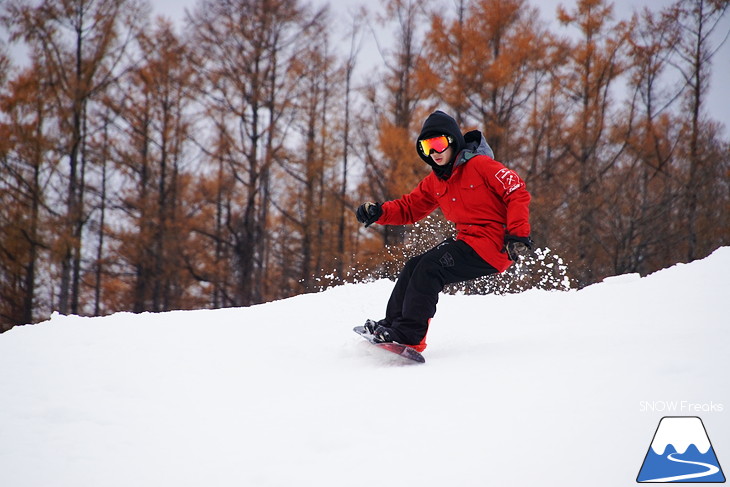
(369, 213)
(517, 247)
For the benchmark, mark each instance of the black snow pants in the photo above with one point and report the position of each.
(415, 295)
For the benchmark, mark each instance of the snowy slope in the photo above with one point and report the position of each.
(535, 389)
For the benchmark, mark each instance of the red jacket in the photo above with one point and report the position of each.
(482, 197)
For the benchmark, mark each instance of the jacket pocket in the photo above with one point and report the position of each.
(474, 196)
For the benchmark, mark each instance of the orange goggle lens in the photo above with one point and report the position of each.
(438, 144)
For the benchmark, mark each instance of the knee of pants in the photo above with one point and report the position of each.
(429, 274)
(411, 265)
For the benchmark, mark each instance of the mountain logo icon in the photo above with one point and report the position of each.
(681, 452)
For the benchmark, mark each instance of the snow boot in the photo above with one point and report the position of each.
(388, 336)
(371, 325)
(385, 334)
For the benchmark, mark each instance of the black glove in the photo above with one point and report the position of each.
(517, 247)
(369, 213)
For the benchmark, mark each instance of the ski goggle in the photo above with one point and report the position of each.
(437, 144)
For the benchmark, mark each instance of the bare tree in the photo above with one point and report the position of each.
(595, 62)
(696, 20)
(80, 44)
(246, 51)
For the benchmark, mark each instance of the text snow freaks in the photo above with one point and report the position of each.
(680, 407)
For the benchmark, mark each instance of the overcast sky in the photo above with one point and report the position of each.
(718, 101)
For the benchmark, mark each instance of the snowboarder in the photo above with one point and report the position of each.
(489, 205)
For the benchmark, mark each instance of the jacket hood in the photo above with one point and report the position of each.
(465, 146)
(476, 145)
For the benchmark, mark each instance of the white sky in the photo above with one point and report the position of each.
(718, 101)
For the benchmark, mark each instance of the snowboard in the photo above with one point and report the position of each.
(403, 350)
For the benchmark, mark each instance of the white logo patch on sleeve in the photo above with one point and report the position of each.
(509, 179)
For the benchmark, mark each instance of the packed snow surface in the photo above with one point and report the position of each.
(532, 389)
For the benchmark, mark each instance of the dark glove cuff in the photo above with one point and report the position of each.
(369, 213)
(375, 211)
(513, 238)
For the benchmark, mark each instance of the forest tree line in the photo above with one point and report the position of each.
(145, 167)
